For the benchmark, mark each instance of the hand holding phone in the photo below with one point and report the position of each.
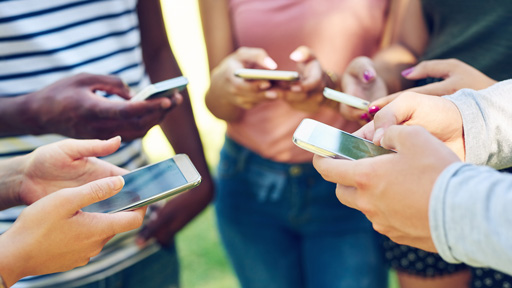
(263, 74)
(327, 141)
(165, 88)
(344, 98)
(151, 183)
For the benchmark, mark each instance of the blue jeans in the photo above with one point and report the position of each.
(282, 226)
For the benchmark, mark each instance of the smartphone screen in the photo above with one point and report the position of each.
(328, 141)
(149, 184)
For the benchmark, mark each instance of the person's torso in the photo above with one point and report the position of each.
(336, 31)
(475, 32)
(44, 41)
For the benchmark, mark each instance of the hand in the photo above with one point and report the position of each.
(438, 115)
(65, 164)
(361, 80)
(177, 212)
(456, 75)
(70, 107)
(53, 235)
(306, 94)
(393, 190)
(242, 93)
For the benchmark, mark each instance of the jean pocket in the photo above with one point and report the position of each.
(265, 184)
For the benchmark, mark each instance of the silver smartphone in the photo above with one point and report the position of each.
(347, 99)
(262, 74)
(162, 89)
(328, 141)
(151, 183)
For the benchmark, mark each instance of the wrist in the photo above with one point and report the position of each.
(12, 175)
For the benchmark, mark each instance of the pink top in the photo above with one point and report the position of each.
(336, 30)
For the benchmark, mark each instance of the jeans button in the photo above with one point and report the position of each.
(295, 170)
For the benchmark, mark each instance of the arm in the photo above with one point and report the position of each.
(486, 119)
(53, 235)
(52, 167)
(179, 127)
(469, 215)
(70, 107)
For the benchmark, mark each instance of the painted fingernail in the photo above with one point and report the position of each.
(271, 94)
(364, 116)
(373, 109)
(407, 71)
(368, 75)
(270, 63)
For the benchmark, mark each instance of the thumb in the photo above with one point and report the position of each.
(77, 149)
(256, 56)
(395, 113)
(302, 54)
(79, 197)
(108, 83)
(428, 68)
(399, 137)
(362, 68)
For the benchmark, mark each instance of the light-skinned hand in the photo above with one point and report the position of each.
(393, 190)
(54, 235)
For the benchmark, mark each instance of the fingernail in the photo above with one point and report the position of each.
(264, 85)
(368, 75)
(115, 139)
(270, 63)
(116, 183)
(166, 103)
(296, 88)
(296, 56)
(373, 109)
(271, 94)
(364, 116)
(407, 71)
(378, 134)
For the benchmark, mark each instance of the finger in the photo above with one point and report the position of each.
(302, 55)
(399, 138)
(339, 171)
(108, 83)
(382, 102)
(74, 199)
(78, 149)
(429, 68)
(366, 132)
(362, 68)
(347, 196)
(123, 221)
(396, 112)
(436, 89)
(351, 113)
(255, 56)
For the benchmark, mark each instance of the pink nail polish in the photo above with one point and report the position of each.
(364, 116)
(373, 109)
(407, 71)
(368, 75)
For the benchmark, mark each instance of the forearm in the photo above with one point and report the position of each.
(486, 120)
(469, 216)
(14, 113)
(10, 264)
(11, 178)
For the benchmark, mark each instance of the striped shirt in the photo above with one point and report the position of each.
(44, 41)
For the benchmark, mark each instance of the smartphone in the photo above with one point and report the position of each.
(149, 184)
(262, 74)
(346, 99)
(328, 141)
(162, 89)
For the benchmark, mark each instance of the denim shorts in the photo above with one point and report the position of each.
(282, 226)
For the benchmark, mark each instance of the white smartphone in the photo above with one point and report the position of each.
(262, 74)
(151, 183)
(162, 89)
(327, 141)
(344, 98)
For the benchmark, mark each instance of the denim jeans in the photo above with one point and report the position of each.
(282, 226)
